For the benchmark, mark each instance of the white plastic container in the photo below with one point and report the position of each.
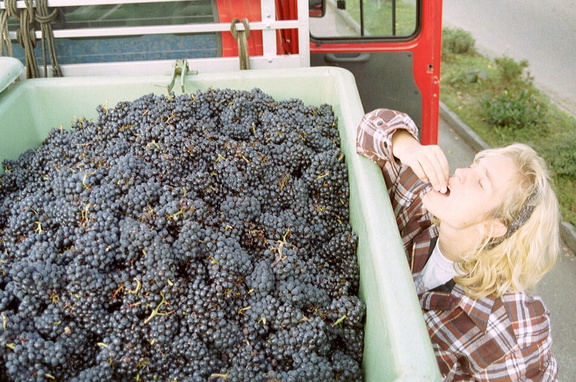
(397, 346)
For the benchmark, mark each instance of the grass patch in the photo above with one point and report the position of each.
(498, 100)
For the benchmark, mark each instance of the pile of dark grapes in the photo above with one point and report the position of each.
(182, 238)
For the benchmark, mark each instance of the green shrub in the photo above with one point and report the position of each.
(467, 76)
(563, 159)
(457, 41)
(510, 69)
(514, 110)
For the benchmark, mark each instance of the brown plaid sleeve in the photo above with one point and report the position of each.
(374, 135)
(374, 140)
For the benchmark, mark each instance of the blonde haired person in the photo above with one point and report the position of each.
(477, 242)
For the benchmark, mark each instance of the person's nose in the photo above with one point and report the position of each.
(464, 174)
(459, 174)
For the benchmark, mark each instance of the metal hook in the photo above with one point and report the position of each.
(180, 68)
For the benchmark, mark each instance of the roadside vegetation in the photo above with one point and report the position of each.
(498, 100)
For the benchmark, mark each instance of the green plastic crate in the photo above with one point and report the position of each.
(397, 346)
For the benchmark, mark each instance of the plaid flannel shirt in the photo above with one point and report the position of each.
(486, 339)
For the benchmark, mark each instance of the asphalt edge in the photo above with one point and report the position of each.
(567, 231)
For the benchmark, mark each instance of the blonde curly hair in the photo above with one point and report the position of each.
(516, 261)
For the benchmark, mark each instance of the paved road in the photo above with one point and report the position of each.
(542, 32)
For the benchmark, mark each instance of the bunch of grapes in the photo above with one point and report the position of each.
(195, 237)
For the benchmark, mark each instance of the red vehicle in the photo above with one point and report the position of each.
(391, 46)
(394, 55)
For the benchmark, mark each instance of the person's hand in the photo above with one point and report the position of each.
(428, 162)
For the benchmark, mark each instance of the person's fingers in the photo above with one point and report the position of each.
(444, 167)
(431, 173)
(430, 165)
(444, 163)
(434, 165)
(420, 172)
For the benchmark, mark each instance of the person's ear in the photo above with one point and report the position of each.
(494, 228)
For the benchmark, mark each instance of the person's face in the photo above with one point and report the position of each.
(474, 192)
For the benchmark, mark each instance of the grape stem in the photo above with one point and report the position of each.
(156, 311)
(338, 321)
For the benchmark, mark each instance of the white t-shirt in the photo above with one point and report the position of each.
(437, 271)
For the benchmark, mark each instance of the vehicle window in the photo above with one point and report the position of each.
(114, 47)
(366, 18)
(148, 14)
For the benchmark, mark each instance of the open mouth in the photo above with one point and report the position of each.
(447, 193)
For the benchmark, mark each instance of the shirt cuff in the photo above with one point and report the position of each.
(374, 135)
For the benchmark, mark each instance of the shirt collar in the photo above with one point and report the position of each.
(480, 309)
(443, 299)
